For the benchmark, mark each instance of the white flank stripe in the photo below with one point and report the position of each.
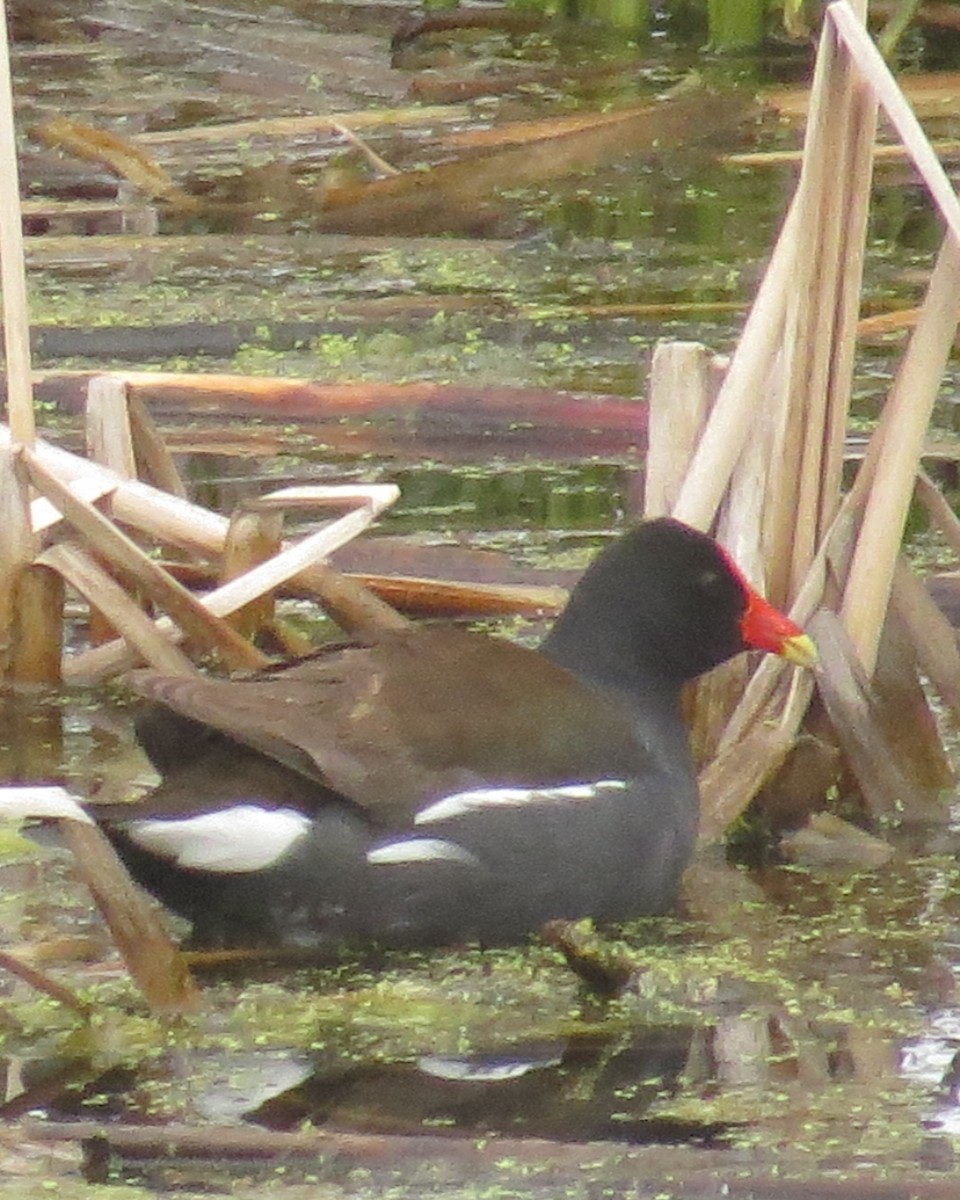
(420, 850)
(18, 803)
(229, 841)
(459, 803)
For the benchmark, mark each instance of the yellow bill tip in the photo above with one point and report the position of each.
(800, 649)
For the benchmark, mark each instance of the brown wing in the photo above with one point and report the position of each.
(422, 713)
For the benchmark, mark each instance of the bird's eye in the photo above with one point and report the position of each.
(709, 580)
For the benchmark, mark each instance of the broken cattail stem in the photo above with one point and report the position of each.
(906, 417)
(937, 505)
(151, 957)
(42, 982)
(13, 284)
(108, 435)
(107, 539)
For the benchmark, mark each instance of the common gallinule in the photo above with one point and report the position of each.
(440, 785)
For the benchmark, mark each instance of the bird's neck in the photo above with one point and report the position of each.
(591, 651)
(654, 698)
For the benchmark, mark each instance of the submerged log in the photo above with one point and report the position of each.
(694, 1172)
(462, 196)
(462, 410)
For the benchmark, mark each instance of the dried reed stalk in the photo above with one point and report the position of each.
(773, 518)
(142, 638)
(909, 406)
(943, 516)
(846, 555)
(43, 982)
(907, 414)
(835, 198)
(300, 562)
(140, 935)
(888, 92)
(16, 551)
(932, 635)
(195, 619)
(109, 436)
(174, 520)
(13, 284)
(850, 702)
(38, 647)
(23, 630)
(733, 414)
(150, 955)
(154, 461)
(253, 538)
(681, 388)
(45, 516)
